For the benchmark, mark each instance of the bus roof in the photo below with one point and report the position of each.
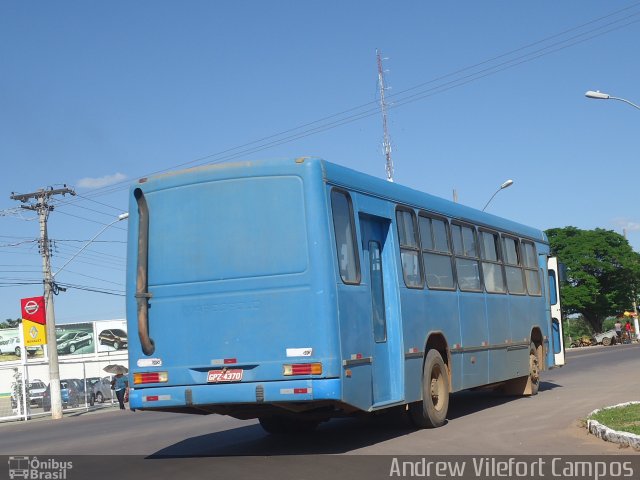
(358, 181)
(352, 180)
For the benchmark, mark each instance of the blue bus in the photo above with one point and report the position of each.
(298, 291)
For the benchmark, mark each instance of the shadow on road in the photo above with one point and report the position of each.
(333, 437)
(472, 401)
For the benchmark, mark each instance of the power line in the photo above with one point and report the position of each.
(89, 253)
(120, 284)
(90, 220)
(19, 271)
(120, 293)
(96, 262)
(226, 154)
(18, 284)
(93, 289)
(17, 244)
(95, 241)
(289, 136)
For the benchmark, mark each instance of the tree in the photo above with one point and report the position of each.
(603, 272)
(9, 323)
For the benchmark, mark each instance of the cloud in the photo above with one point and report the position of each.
(628, 225)
(100, 182)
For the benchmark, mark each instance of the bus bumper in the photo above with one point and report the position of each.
(254, 392)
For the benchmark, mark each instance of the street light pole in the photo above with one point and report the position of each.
(506, 184)
(52, 346)
(122, 216)
(598, 95)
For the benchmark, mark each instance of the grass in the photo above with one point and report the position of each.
(622, 419)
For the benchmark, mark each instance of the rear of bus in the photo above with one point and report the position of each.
(230, 304)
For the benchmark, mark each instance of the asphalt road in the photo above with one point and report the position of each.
(480, 423)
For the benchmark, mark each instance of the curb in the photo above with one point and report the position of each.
(609, 435)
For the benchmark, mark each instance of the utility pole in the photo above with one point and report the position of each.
(42, 207)
(386, 143)
(635, 307)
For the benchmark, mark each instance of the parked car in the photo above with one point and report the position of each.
(610, 337)
(69, 342)
(102, 390)
(68, 394)
(85, 395)
(36, 391)
(35, 388)
(115, 337)
(10, 345)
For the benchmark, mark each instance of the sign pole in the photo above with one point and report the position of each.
(25, 379)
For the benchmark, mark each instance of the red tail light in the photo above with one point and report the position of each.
(302, 369)
(150, 377)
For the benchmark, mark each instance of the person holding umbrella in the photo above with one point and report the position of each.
(120, 382)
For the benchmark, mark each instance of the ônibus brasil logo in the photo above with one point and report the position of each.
(34, 468)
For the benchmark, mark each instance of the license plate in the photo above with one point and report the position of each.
(231, 375)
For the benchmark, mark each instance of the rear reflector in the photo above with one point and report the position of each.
(150, 377)
(156, 398)
(302, 369)
(224, 361)
(296, 391)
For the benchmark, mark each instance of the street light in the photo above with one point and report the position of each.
(506, 184)
(598, 95)
(52, 347)
(122, 216)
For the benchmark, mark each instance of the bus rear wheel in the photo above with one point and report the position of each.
(534, 369)
(282, 425)
(431, 412)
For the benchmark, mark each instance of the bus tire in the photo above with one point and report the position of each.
(534, 370)
(282, 425)
(431, 412)
(528, 385)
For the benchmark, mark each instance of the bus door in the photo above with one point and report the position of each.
(377, 273)
(557, 339)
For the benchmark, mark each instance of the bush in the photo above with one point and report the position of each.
(575, 328)
(609, 324)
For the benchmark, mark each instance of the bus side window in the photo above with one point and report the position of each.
(553, 299)
(345, 233)
(409, 251)
(465, 248)
(436, 252)
(492, 270)
(513, 265)
(531, 270)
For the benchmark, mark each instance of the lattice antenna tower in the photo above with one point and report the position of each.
(386, 143)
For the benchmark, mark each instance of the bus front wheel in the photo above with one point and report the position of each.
(431, 412)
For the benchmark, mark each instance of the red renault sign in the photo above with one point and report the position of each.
(33, 309)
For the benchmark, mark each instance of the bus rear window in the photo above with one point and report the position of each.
(225, 230)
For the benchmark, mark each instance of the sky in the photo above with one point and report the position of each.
(95, 95)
